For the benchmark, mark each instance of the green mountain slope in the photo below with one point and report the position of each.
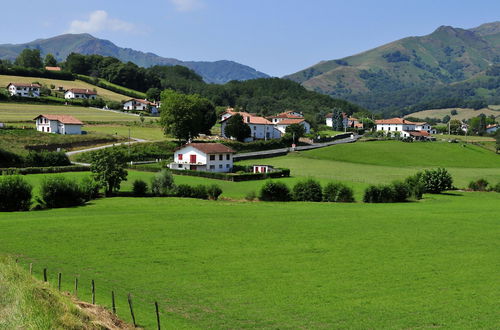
(446, 56)
(61, 46)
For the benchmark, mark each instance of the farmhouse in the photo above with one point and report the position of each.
(260, 127)
(211, 157)
(285, 115)
(58, 124)
(141, 105)
(24, 89)
(407, 129)
(80, 93)
(492, 128)
(347, 122)
(283, 124)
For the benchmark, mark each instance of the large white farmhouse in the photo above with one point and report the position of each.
(211, 157)
(260, 127)
(59, 124)
(24, 89)
(405, 128)
(141, 105)
(80, 93)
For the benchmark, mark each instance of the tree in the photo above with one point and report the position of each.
(237, 129)
(50, 60)
(186, 116)
(153, 94)
(446, 119)
(108, 168)
(337, 120)
(497, 141)
(29, 58)
(295, 130)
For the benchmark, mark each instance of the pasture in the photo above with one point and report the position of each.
(149, 132)
(66, 84)
(462, 113)
(275, 265)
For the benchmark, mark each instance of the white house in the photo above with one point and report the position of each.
(285, 115)
(141, 105)
(59, 124)
(80, 93)
(24, 89)
(211, 157)
(260, 127)
(283, 124)
(405, 128)
(347, 122)
(492, 128)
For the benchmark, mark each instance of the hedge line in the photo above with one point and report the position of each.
(98, 82)
(41, 170)
(38, 73)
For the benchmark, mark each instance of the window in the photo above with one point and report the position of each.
(180, 165)
(227, 165)
(228, 157)
(220, 157)
(212, 157)
(388, 128)
(212, 167)
(179, 156)
(192, 159)
(220, 166)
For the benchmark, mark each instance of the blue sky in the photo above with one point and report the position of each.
(277, 37)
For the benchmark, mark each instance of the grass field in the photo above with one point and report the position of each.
(146, 132)
(66, 84)
(16, 112)
(275, 265)
(462, 113)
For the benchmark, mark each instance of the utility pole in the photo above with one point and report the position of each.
(129, 142)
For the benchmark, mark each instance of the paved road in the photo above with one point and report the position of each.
(284, 151)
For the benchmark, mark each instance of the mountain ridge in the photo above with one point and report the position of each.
(61, 46)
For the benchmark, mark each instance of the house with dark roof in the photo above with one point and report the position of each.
(210, 157)
(80, 93)
(58, 124)
(260, 127)
(24, 89)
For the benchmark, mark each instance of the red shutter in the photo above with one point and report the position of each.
(192, 159)
(179, 156)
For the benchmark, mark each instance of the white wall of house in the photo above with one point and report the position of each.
(258, 132)
(70, 95)
(24, 91)
(192, 158)
(71, 129)
(395, 127)
(305, 124)
(54, 126)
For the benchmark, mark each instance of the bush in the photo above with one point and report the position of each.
(90, 188)
(46, 158)
(9, 159)
(415, 185)
(251, 196)
(437, 180)
(478, 185)
(184, 190)
(15, 193)
(307, 191)
(162, 183)
(199, 191)
(60, 192)
(401, 192)
(379, 194)
(496, 188)
(274, 192)
(214, 191)
(338, 192)
(139, 188)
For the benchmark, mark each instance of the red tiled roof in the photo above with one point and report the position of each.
(24, 85)
(209, 148)
(65, 119)
(250, 119)
(286, 114)
(52, 68)
(418, 133)
(81, 91)
(394, 121)
(290, 121)
(358, 125)
(142, 101)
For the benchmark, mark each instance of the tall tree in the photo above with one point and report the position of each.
(50, 60)
(186, 116)
(108, 168)
(237, 129)
(29, 58)
(295, 130)
(337, 120)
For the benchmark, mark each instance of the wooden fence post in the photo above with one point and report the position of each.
(131, 309)
(31, 268)
(157, 315)
(93, 293)
(45, 274)
(113, 301)
(59, 281)
(76, 287)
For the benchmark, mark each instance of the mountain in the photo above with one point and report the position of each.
(447, 56)
(61, 46)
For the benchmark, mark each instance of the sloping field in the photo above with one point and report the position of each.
(275, 265)
(66, 84)
(15, 112)
(462, 113)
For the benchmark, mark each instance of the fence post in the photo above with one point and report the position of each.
(31, 268)
(93, 293)
(45, 274)
(59, 281)
(76, 287)
(113, 301)
(131, 309)
(157, 315)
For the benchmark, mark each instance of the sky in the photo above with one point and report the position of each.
(277, 37)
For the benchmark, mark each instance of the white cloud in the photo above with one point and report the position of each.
(187, 5)
(99, 20)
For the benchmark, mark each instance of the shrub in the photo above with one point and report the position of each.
(214, 191)
(199, 191)
(401, 192)
(60, 192)
(162, 183)
(478, 185)
(90, 188)
(274, 192)
(379, 194)
(415, 185)
(308, 191)
(372, 195)
(139, 188)
(15, 193)
(437, 180)
(337, 192)
(9, 159)
(184, 190)
(496, 188)
(46, 158)
(250, 196)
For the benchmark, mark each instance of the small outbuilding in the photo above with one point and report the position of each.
(262, 168)
(210, 157)
(58, 124)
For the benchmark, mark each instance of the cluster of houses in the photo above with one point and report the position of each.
(266, 128)
(33, 90)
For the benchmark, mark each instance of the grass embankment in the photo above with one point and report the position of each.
(27, 303)
(147, 131)
(275, 265)
(462, 113)
(66, 84)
